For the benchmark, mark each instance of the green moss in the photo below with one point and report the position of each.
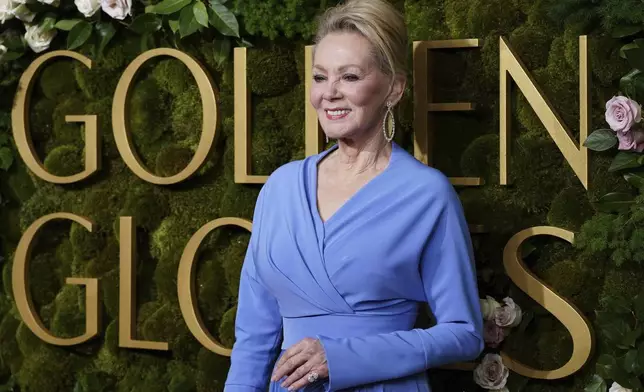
(530, 41)
(47, 370)
(94, 381)
(96, 83)
(65, 259)
(41, 121)
(187, 117)
(146, 204)
(211, 283)
(211, 371)
(570, 209)
(20, 184)
(65, 160)
(456, 19)
(173, 76)
(181, 377)
(147, 112)
(27, 341)
(9, 349)
(624, 283)
(110, 291)
(418, 12)
(602, 51)
(485, 16)
(554, 346)
(111, 359)
(576, 282)
(227, 327)
(537, 172)
(44, 286)
(68, 132)
(481, 158)
(271, 71)
(57, 79)
(172, 159)
(10, 229)
(86, 245)
(102, 108)
(601, 181)
(69, 318)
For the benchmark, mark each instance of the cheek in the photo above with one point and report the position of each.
(366, 97)
(315, 96)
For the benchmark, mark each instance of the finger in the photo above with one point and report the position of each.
(288, 354)
(301, 372)
(304, 381)
(289, 366)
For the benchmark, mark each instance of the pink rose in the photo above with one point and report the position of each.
(633, 140)
(508, 315)
(622, 113)
(491, 373)
(493, 334)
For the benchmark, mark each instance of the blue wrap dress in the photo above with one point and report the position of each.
(356, 280)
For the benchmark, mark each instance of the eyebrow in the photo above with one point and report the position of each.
(342, 68)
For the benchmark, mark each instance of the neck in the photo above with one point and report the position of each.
(359, 156)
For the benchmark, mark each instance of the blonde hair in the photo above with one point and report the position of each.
(376, 20)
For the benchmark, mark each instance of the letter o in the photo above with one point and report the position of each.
(209, 109)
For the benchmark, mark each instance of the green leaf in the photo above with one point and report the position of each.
(635, 57)
(14, 43)
(223, 20)
(187, 22)
(625, 160)
(4, 139)
(614, 202)
(626, 47)
(167, 7)
(201, 13)
(48, 23)
(605, 366)
(616, 331)
(635, 179)
(626, 31)
(243, 43)
(147, 42)
(6, 158)
(222, 50)
(631, 338)
(630, 361)
(10, 56)
(640, 356)
(105, 31)
(67, 24)
(638, 306)
(597, 384)
(601, 140)
(145, 23)
(632, 83)
(79, 35)
(174, 25)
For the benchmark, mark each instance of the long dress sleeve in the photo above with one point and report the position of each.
(449, 282)
(258, 326)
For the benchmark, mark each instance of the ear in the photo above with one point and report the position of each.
(397, 89)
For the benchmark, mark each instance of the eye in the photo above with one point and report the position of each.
(318, 78)
(351, 77)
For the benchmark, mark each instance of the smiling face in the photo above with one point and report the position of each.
(349, 91)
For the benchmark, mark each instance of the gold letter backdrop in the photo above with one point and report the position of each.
(172, 193)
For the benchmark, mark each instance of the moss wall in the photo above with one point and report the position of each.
(165, 120)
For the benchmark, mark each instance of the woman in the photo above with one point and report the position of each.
(346, 244)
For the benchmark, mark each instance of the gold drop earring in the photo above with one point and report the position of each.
(389, 118)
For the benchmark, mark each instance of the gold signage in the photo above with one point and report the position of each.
(511, 67)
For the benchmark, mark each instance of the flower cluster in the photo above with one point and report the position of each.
(499, 319)
(623, 115)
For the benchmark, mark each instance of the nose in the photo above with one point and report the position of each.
(331, 92)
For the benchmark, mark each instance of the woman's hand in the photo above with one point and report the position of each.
(299, 361)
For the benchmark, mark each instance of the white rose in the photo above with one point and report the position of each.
(509, 315)
(618, 388)
(491, 373)
(117, 9)
(55, 3)
(488, 307)
(23, 13)
(38, 39)
(6, 10)
(87, 7)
